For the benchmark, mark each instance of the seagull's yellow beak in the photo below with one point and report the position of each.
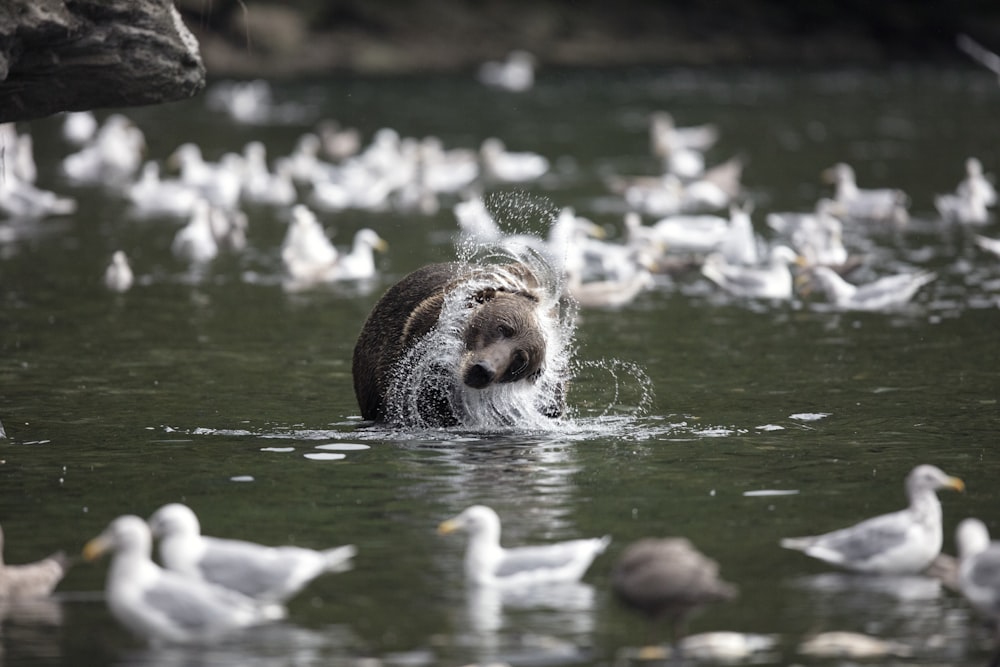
(382, 245)
(95, 548)
(955, 483)
(446, 527)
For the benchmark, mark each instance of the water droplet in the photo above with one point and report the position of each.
(241, 478)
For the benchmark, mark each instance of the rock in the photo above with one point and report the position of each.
(57, 55)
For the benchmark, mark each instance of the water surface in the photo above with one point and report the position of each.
(223, 391)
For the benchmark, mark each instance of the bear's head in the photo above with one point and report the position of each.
(503, 339)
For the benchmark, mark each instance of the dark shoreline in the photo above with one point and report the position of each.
(395, 37)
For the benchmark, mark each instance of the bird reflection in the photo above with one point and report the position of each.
(545, 616)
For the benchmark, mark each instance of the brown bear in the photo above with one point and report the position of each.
(448, 339)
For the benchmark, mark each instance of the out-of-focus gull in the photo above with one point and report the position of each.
(475, 221)
(882, 294)
(79, 127)
(338, 143)
(164, 606)
(30, 580)
(771, 280)
(118, 275)
(249, 102)
(610, 293)
(972, 197)
(976, 180)
(979, 53)
(195, 242)
(903, 542)
(666, 579)
(665, 135)
(988, 244)
(979, 568)
(680, 233)
(818, 237)
(113, 155)
(359, 262)
(968, 208)
(22, 200)
(262, 186)
(740, 245)
(516, 73)
(879, 204)
(443, 170)
(150, 195)
(306, 252)
(511, 167)
(487, 563)
(268, 574)
(852, 645)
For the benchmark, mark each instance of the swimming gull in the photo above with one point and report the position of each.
(270, 574)
(118, 275)
(903, 542)
(772, 280)
(195, 242)
(882, 294)
(488, 563)
(29, 580)
(516, 73)
(879, 204)
(979, 568)
(667, 579)
(164, 606)
(511, 167)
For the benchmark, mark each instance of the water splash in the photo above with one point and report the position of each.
(426, 381)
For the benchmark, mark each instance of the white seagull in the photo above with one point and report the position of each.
(516, 73)
(883, 294)
(163, 606)
(979, 568)
(772, 280)
(268, 574)
(903, 542)
(118, 276)
(489, 564)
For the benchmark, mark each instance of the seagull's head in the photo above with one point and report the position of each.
(972, 538)
(475, 520)
(174, 519)
(127, 533)
(931, 477)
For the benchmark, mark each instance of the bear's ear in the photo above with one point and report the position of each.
(484, 295)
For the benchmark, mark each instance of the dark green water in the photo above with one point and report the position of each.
(214, 391)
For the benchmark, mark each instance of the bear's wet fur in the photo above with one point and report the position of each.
(502, 339)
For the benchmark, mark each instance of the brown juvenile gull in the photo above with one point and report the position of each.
(164, 606)
(903, 542)
(29, 580)
(488, 563)
(668, 578)
(269, 574)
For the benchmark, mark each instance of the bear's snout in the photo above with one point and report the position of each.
(479, 374)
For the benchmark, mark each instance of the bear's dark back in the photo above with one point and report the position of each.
(404, 314)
